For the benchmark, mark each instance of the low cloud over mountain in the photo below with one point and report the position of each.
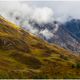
(18, 10)
(22, 14)
(52, 24)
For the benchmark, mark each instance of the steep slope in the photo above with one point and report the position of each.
(53, 32)
(23, 55)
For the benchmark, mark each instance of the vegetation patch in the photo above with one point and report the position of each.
(30, 61)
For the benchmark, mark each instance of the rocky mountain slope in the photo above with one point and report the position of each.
(23, 55)
(66, 35)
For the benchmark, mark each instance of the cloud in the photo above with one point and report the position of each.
(56, 27)
(64, 9)
(14, 9)
(42, 15)
(29, 27)
(21, 13)
(46, 33)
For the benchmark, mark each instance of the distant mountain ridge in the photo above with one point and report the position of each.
(66, 35)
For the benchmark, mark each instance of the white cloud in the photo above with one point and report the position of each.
(46, 33)
(56, 27)
(21, 13)
(42, 15)
(39, 14)
(64, 9)
(30, 28)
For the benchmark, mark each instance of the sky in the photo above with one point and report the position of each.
(59, 10)
(62, 9)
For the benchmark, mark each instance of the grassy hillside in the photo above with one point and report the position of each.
(23, 55)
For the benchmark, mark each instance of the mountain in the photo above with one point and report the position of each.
(52, 31)
(25, 56)
(66, 35)
(65, 38)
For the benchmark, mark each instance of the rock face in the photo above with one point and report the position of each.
(69, 35)
(66, 39)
